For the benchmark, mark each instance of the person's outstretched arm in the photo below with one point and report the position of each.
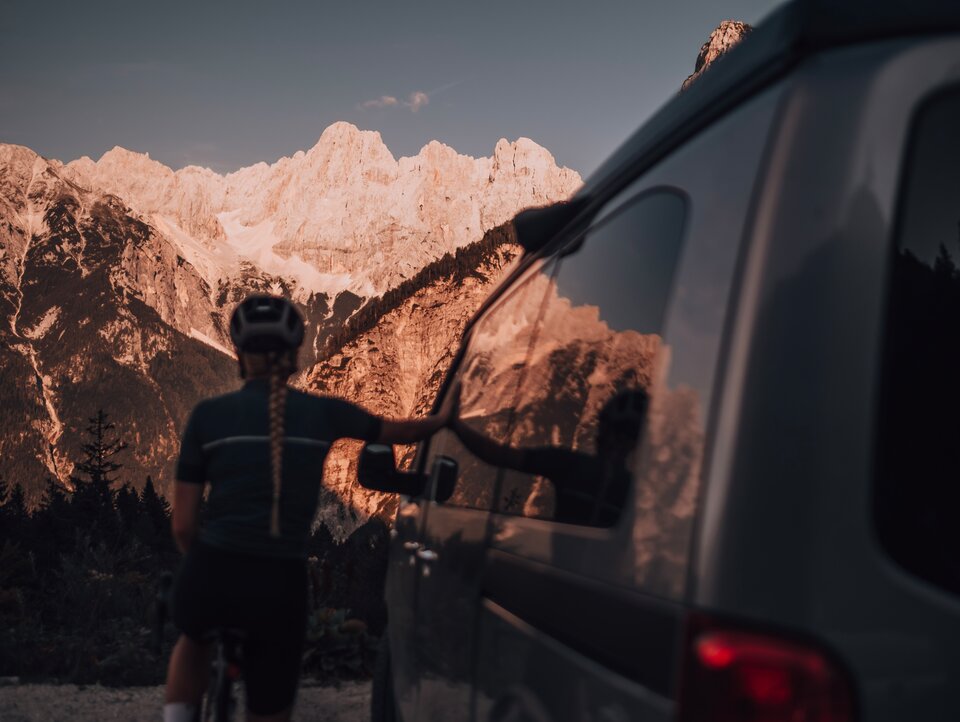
(408, 431)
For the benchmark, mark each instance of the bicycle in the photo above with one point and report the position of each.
(226, 666)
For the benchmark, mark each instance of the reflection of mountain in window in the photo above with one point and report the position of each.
(489, 376)
(584, 396)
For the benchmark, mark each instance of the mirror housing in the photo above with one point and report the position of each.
(377, 471)
(536, 227)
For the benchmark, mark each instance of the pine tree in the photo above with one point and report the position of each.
(155, 521)
(93, 499)
(54, 524)
(128, 507)
(100, 451)
(16, 504)
(16, 517)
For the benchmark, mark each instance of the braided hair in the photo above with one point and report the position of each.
(267, 331)
(277, 405)
(280, 367)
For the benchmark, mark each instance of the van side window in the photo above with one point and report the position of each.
(917, 496)
(583, 403)
(489, 375)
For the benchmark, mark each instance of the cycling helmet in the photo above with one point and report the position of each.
(263, 324)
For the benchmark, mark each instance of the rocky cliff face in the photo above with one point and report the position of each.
(344, 215)
(727, 34)
(81, 330)
(117, 277)
(395, 367)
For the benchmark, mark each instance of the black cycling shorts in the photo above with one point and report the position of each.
(265, 598)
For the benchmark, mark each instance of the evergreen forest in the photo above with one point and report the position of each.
(80, 574)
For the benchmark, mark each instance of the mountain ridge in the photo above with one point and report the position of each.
(109, 305)
(342, 215)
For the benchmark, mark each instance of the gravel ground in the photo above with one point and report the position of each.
(350, 702)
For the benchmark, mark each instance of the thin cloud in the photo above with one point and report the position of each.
(384, 101)
(416, 100)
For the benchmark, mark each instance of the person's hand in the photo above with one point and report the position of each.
(450, 407)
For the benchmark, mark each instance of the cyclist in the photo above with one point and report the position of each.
(261, 449)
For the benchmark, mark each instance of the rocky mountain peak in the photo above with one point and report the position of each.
(18, 167)
(119, 160)
(117, 274)
(726, 35)
(15, 156)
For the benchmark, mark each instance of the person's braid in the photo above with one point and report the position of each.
(277, 406)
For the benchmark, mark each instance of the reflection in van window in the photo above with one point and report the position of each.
(584, 398)
(918, 485)
(489, 376)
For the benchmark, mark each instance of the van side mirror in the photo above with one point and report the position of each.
(536, 227)
(378, 472)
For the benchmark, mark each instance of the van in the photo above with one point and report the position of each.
(707, 458)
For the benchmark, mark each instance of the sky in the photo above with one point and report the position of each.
(227, 84)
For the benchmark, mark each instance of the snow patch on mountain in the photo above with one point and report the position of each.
(255, 243)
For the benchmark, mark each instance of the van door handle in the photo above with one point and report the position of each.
(411, 546)
(427, 555)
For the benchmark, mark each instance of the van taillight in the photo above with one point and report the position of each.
(739, 676)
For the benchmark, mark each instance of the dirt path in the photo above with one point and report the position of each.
(350, 702)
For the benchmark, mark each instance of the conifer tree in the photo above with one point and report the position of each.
(156, 511)
(93, 499)
(16, 516)
(128, 507)
(53, 523)
(16, 504)
(101, 450)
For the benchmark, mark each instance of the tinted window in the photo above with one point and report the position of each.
(489, 374)
(918, 492)
(584, 397)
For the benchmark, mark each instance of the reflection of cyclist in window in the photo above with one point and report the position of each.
(589, 489)
(261, 449)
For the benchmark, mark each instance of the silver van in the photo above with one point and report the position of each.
(707, 461)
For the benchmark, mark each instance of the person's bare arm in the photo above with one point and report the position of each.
(186, 513)
(487, 449)
(408, 431)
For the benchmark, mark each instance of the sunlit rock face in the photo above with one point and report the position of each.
(88, 292)
(395, 370)
(344, 215)
(117, 278)
(727, 34)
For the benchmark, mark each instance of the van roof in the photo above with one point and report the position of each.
(790, 33)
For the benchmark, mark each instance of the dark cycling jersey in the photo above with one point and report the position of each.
(227, 443)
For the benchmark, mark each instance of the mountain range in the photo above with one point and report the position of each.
(117, 277)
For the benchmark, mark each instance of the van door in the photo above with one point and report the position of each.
(453, 545)
(401, 597)
(585, 589)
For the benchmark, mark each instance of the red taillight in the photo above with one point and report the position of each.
(737, 676)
